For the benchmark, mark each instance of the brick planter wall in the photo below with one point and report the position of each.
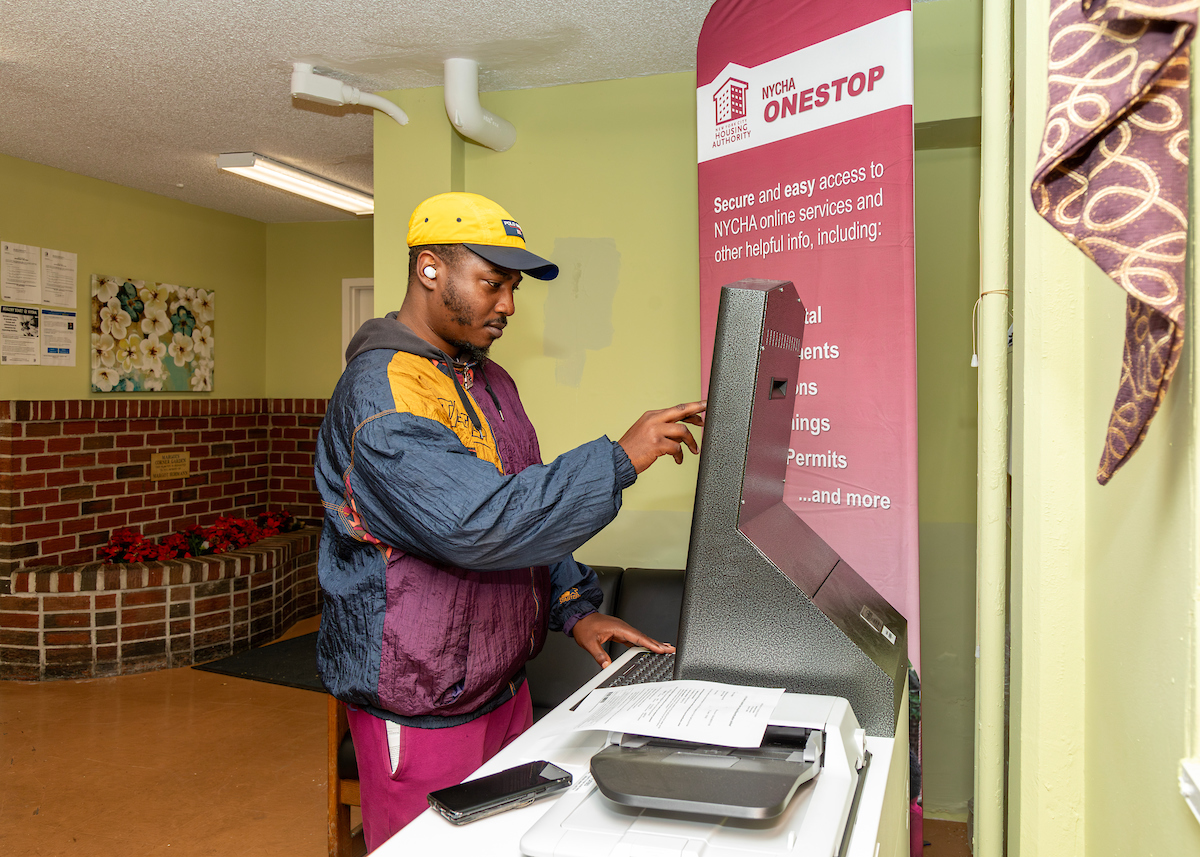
(92, 620)
(73, 471)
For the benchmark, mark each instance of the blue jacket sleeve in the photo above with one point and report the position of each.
(416, 487)
(576, 592)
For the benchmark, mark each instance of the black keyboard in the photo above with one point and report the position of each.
(641, 668)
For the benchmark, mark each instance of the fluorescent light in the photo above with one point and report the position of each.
(267, 171)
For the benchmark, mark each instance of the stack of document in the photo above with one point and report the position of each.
(703, 712)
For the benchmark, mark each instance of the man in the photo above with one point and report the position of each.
(446, 550)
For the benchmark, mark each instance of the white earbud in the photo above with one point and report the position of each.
(430, 272)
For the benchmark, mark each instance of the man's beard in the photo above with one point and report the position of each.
(467, 352)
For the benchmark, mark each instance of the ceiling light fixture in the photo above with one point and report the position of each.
(254, 166)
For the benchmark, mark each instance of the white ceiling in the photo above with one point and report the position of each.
(146, 93)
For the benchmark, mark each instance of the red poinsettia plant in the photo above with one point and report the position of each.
(223, 535)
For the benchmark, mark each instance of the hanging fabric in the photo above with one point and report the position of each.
(1112, 177)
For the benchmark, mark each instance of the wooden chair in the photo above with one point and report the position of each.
(343, 787)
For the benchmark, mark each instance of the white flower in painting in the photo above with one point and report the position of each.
(153, 352)
(152, 383)
(129, 385)
(107, 289)
(202, 340)
(202, 306)
(114, 320)
(181, 348)
(129, 352)
(155, 297)
(201, 379)
(105, 379)
(156, 322)
(119, 326)
(102, 350)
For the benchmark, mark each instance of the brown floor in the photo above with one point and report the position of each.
(946, 839)
(182, 763)
(177, 762)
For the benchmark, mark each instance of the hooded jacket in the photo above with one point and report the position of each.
(446, 547)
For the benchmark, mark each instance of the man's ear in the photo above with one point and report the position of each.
(429, 269)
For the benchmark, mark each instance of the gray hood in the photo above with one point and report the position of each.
(391, 334)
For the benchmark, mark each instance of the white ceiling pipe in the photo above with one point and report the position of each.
(307, 84)
(467, 114)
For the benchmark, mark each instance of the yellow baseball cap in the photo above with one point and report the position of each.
(482, 226)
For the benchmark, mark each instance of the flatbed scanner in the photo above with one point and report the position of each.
(794, 795)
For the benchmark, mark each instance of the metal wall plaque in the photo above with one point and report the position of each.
(170, 465)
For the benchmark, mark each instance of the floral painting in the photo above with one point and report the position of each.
(150, 337)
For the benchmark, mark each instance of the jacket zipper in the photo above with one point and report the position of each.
(537, 603)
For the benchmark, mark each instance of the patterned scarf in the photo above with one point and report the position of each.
(1112, 177)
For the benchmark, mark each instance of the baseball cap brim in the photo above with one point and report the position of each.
(516, 259)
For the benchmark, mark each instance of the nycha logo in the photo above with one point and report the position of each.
(730, 100)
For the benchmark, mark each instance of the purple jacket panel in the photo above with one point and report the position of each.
(451, 637)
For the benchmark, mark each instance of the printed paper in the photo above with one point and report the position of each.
(18, 336)
(59, 273)
(20, 273)
(702, 711)
(58, 338)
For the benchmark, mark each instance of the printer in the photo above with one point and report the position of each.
(794, 795)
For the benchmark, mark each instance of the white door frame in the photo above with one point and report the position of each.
(351, 287)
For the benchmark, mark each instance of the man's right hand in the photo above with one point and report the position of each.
(660, 433)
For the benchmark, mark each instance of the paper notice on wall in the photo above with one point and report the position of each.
(702, 711)
(20, 273)
(18, 336)
(58, 338)
(59, 273)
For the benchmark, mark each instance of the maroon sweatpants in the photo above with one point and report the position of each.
(430, 759)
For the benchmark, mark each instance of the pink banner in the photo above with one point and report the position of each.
(805, 150)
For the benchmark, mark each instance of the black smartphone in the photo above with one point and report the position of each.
(516, 787)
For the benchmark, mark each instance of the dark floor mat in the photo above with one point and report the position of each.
(290, 662)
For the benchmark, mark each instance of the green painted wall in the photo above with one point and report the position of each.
(947, 209)
(947, 46)
(947, 217)
(412, 163)
(947, 52)
(1139, 606)
(305, 266)
(123, 232)
(278, 286)
(1104, 579)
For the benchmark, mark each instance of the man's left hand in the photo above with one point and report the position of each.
(596, 629)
